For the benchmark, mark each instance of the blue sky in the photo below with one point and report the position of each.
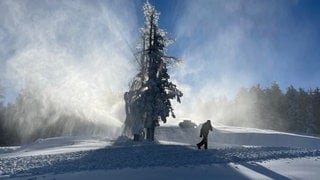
(254, 42)
(225, 44)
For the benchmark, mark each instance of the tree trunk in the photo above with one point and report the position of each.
(150, 134)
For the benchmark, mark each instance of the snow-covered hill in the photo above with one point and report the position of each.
(234, 153)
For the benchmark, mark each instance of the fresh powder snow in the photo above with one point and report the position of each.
(234, 153)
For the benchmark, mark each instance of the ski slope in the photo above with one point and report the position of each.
(234, 153)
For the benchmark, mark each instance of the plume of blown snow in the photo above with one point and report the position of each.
(68, 64)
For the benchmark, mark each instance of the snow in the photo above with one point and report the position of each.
(59, 145)
(234, 153)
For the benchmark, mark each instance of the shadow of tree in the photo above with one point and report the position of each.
(264, 171)
(128, 154)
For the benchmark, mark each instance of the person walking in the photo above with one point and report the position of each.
(204, 132)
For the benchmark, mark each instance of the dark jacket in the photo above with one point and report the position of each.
(205, 129)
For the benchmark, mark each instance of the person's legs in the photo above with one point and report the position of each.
(201, 143)
(206, 143)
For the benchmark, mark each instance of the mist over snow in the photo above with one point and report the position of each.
(71, 57)
(229, 45)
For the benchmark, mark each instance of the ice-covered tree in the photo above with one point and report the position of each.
(148, 100)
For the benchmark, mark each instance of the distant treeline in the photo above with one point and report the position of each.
(296, 111)
(8, 135)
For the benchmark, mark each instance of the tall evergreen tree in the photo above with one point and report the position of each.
(2, 116)
(306, 111)
(292, 99)
(148, 100)
(310, 119)
(258, 106)
(276, 106)
(316, 109)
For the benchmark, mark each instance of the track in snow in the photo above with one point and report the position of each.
(139, 155)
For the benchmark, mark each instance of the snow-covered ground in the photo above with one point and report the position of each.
(234, 153)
